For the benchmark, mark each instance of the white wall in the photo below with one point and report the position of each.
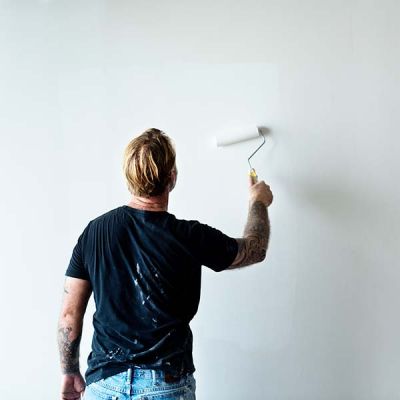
(78, 79)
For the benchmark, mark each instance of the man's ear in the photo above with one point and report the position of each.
(173, 177)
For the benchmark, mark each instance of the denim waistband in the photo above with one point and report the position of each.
(146, 373)
(153, 374)
(137, 380)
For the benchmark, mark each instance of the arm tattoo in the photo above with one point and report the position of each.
(69, 350)
(253, 246)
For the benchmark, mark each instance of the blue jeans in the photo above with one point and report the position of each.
(142, 384)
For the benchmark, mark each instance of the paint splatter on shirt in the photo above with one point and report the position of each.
(145, 272)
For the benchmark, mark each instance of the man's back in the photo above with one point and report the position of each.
(145, 272)
(144, 268)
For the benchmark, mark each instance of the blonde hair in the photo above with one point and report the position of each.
(148, 162)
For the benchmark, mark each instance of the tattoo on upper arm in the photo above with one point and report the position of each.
(253, 246)
(69, 350)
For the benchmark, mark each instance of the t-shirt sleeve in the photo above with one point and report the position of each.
(211, 247)
(76, 267)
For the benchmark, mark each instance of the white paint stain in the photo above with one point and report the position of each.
(138, 270)
(112, 353)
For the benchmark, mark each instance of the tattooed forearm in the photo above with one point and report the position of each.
(257, 222)
(69, 349)
(253, 245)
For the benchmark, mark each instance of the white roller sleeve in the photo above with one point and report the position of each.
(237, 135)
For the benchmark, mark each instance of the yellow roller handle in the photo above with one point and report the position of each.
(253, 176)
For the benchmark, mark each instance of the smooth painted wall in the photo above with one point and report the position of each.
(78, 79)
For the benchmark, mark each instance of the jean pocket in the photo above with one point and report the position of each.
(96, 391)
(181, 393)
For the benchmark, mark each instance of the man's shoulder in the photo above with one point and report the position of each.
(105, 217)
(188, 227)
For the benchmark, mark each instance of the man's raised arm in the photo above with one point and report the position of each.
(252, 247)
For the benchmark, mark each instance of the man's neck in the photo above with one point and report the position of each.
(153, 203)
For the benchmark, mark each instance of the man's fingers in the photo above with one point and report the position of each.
(73, 395)
(253, 179)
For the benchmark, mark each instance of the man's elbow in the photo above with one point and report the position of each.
(263, 254)
(71, 315)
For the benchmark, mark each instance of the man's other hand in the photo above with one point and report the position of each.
(72, 386)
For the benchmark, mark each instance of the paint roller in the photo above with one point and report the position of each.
(235, 136)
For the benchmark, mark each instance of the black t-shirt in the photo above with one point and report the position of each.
(145, 272)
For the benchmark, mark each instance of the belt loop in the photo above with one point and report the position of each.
(153, 375)
(129, 376)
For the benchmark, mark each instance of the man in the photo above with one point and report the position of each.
(143, 266)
